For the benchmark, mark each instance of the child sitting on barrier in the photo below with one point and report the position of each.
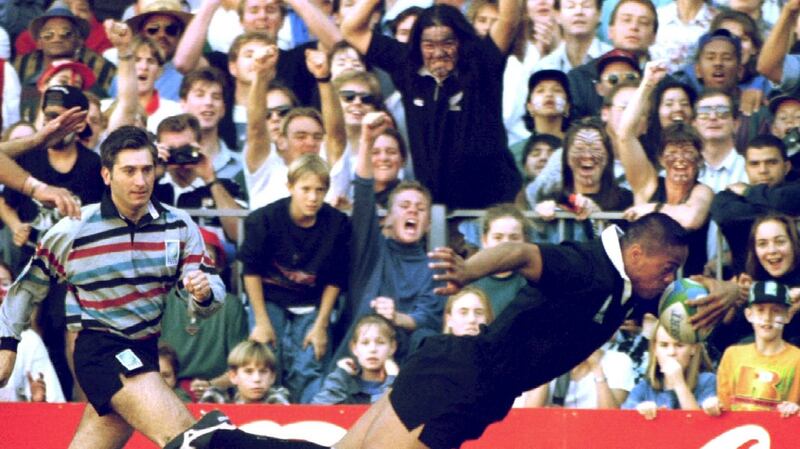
(370, 375)
(252, 371)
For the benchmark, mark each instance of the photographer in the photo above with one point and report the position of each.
(785, 125)
(190, 181)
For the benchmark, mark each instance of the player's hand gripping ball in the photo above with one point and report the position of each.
(674, 313)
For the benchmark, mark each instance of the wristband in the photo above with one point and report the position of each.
(30, 186)
(325, 79)
(9, 344)
(211, 184)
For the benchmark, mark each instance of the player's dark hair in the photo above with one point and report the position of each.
(655, 231)
(768, 141)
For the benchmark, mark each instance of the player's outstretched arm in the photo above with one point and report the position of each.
(524, 258)
(712, 308)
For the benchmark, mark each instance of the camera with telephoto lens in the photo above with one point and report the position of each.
(184, 155)
(792, 141)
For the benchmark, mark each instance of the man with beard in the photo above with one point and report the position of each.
(68, 164)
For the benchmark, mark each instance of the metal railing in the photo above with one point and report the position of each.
(438, 235)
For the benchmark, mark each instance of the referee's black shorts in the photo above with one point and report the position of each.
(100, 358)
(448, 386)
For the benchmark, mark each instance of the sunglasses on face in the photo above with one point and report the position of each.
(280, 111)
(721, 111)
(350, 96)
(49, 35)
(171, 30)
(613, 79)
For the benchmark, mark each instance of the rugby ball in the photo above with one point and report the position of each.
(674, 313)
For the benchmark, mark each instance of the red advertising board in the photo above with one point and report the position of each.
(52, 425)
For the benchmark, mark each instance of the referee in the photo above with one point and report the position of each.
(119, 262)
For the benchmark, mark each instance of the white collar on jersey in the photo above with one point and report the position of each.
(610, 238)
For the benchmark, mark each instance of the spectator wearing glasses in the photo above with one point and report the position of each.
(353, 94)
(616, 67)
(716, 120)
(301, 131)
(632, 28)
(96, 40)
(254, 177)
(164, 21)
(137, 74)
(59, 34)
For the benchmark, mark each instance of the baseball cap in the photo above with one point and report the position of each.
(778, 98)
(66, 96)
(549, 74)
(86, 74)
(617, 55)
(769, 292)
(720, 34)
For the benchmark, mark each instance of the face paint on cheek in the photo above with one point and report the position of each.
(560, 103)
(777, 322)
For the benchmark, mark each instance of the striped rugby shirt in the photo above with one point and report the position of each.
(118, 274)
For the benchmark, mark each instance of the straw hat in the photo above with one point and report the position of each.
(149, 8)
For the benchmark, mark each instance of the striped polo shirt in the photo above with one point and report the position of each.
(118, 273)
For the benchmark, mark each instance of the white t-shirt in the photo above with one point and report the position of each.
(268, 183)
(32, 357)
(11, 93)
(618, 369)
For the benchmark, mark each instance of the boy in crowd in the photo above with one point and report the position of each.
(168, 367)
(295, 257)
(202, 95)
(736, 208)
(252, 370)
(762, 375)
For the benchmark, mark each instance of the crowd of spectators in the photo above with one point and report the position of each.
(335, 126)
